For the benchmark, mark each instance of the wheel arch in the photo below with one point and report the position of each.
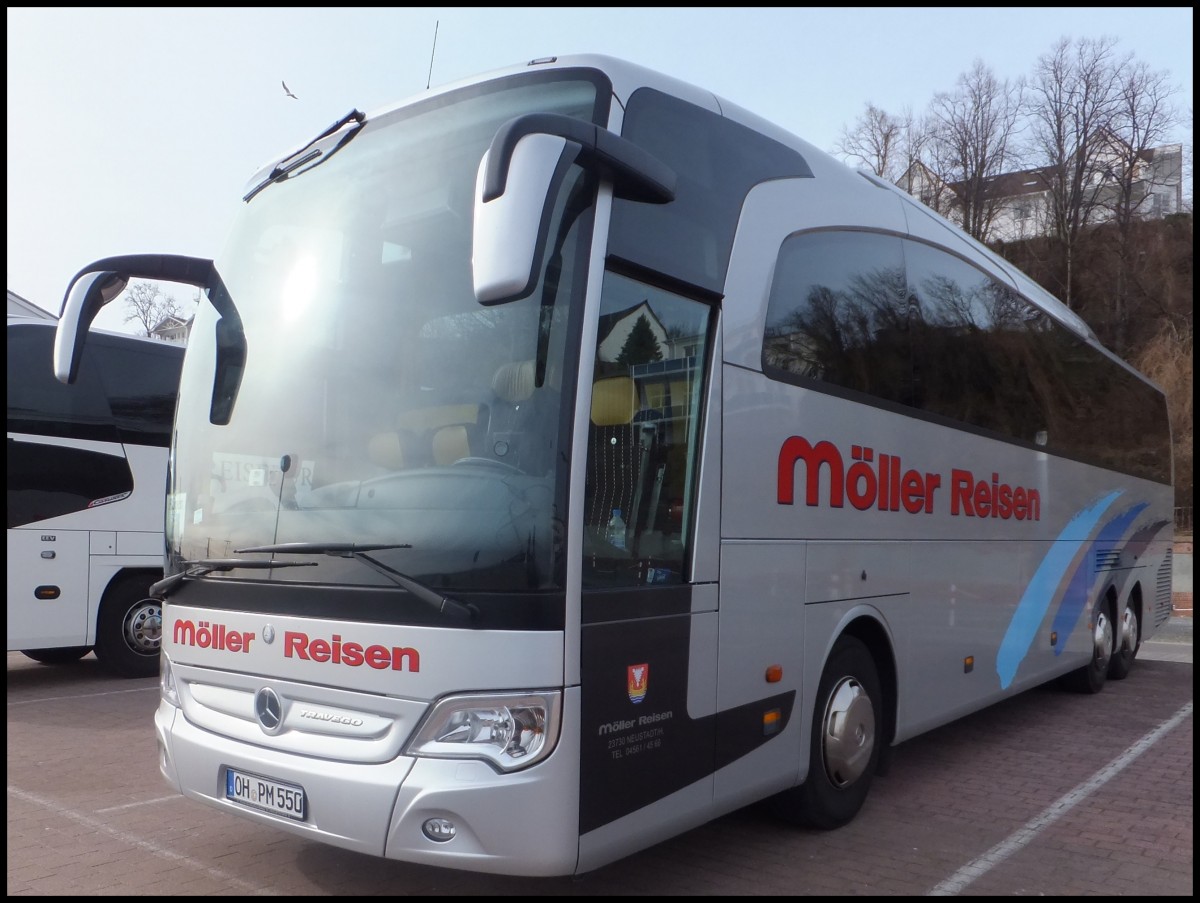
(1107, 600)
(129, 623)
(126, 574)
(1136, 600)
(1102, 625)
(821, 799)
(1129, 628)
(106, 576)
(1111, 598)
(871, 631)
(121, 577)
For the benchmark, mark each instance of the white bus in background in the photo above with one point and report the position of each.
(87, 469)
(870, 478)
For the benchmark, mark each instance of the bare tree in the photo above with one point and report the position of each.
(149, 306)
(893, 148)
(1139, 172)
(879, 142)
(1187, 166)
(871, 142)
(974, 130)
(1143, 118)
(1075, 97)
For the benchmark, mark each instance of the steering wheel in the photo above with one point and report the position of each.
(491, 463)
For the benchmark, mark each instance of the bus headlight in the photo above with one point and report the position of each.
(166, 680)
(509, 731)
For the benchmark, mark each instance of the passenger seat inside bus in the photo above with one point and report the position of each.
(612, 460)
(428, 437)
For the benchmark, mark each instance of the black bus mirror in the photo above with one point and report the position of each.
(88, 292)
(99, 283)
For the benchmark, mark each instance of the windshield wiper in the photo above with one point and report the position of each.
(341, 549)
(203, 566)
(442, 604)
(294, 161)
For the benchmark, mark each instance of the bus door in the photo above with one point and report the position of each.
(648, 634)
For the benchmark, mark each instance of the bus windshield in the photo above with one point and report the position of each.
(380, 403)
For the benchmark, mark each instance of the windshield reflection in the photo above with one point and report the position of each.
(380, 404)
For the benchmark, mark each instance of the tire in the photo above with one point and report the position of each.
(1129, 640)
(1091, 677)
(845, 745)
(62, 656)
(129, 631)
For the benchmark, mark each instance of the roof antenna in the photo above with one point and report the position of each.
(431, 53)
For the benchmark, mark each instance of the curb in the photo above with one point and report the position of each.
(1181, 605)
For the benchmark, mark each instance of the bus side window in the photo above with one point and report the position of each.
(643, 438)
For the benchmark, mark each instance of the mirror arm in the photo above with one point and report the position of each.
(102, 282)
(636, 174)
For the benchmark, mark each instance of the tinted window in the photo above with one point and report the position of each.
(644, 434)
(972, 340)
(51, 480)
(47, 479)
(930, 332)
(40, 404)
(142, 382)
(839, 313)
(716, 162)
(126, 388)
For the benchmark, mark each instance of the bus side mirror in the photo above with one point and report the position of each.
(100, 282)
(509, 230)
(518, 182)
(88, 292)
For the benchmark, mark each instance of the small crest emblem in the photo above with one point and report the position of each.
(639, 677)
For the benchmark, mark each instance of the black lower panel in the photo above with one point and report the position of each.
(638, 744)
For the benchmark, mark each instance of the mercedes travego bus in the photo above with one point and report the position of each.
(87, 465)
(567, 457)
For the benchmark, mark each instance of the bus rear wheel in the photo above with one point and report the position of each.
(1092, 676)
(129, 632)
(57, 656)
(844, 749)
(1129, 639)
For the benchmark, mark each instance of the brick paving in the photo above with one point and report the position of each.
(88, 813)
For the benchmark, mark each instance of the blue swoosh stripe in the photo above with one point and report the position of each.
(1040, 592)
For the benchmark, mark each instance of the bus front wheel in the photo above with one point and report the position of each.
(844, 748)
(129, 631)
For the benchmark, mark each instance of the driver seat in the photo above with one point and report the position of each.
(450, 443)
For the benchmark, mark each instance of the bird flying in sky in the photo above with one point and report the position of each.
(287, 92)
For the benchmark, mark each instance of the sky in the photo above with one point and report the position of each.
(136, 130)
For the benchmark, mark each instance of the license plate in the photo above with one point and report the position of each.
(264, 793)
